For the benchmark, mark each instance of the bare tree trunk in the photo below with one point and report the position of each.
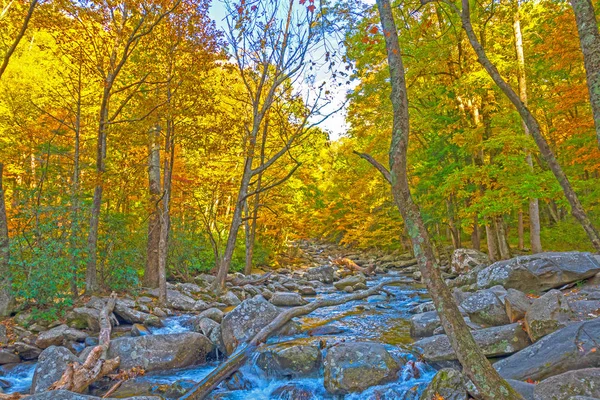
(521, 231)
(251, 218)
(503, 246)
(475, 235)
(165, 228)
(6, 296)
(18, 38)
(589, 39)
(151, 273)
(533, 126)
(492, 242)
(75, 188)
(454, 230)
(475, 364)
(534, 209)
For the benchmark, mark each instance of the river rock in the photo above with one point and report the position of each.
(129, 315)
(465, 260)
(547, 314)
(179, 301)
(583, 382)
(84, 317)
(244, 321)
(8, 357)
(354, 367)
(287, 299)
(27, 351)
(230, 299)
(293, 391)
(213, 313)
(572, 347)
(153, 321)
(539, 272)
(52, 363)
(448, 384)
(139, 330)
(484, 307)
(516, 304)
(422, 308)
(495, 341)
(424, 324)
(322, 274)
(3, 335)
(56, 336)
(290, 361)
(159, 352)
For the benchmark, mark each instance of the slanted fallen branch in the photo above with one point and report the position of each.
(352, 266)
(243, 352)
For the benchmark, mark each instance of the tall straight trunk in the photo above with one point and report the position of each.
(251, 218)
(475, 235)
(454, 229)
(534, 208)
(503, 246)
(589, 40)
(6, 295)
(492, 241)
(533, 126)
(475, 365)
(18, 38)
(151, 273)
(75, 187)
(521, 230)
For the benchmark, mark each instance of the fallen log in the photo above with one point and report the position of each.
(243, 352)
(352, 266)
(242, 281)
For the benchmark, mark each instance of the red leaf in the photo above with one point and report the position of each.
(311, 8)
(373, 30)
(302, 1)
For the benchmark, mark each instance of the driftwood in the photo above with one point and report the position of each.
(243, 352)
(352, 266)
(78, 377)
(244, 281)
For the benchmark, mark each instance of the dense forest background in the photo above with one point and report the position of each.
(136, 98)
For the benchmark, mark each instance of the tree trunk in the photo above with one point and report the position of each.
(475, 235)
(151, 273)
(6, 296)
(534, 209)
(492, 242)
(533, 126)
(18, 38)
(589, 39)
(251, 227)
(75, 188)
(503, 246)
(521, 231)
(454, 230)
(475, 365)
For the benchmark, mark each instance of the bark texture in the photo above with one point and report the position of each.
(6, 296)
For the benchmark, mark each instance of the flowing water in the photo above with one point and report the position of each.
(381, 318)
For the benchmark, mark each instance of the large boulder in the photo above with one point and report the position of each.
(539, 272)
(547, 314)
(161, 351)
(583, 382)
(84, 317)
(290, 361)
(516, 304)
(51, 364)
(322, 274)
(128, 314)
(287, 299)
(8, 357)
(179, 301)
(354, 367)
(495, 341)
(572, 347)
(244, 321)
(354, 281)
(56, 336)
(484, 307)
(424, 324)
(447, 384)
(465, 260)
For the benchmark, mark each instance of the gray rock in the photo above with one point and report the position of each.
(422, 308)
(547, 314)
(353, 281)
(8, 357)
(424, 324)
(84, 317)
(129, 315)
(66, 395)
(244, 321)
(153, 321)
(322, 274)
(354, 367)
(293, 391)
(516, 304)
(178, 301)
(465, 260)
(3, 336)
(56, 336)
(291, 361)
(213, 313)
(26, 351)
(569, 348)
(449, 384)
(230, 299)
(524, 388)
(285, 299)
(139, 330)
(484, 307)
(539, 272)
(159, 352)
(52, 363)
(583, 382)
(495, 341)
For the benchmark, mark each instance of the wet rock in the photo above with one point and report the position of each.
(159, 352)
(84, 317)
(230, 299)
(153, 321)
(422, 308)
(139, 330)
(244, 321)
(516, 304)
(354, 367)
(567, 349)
(26, 351)
(325, 330)
(179, 301)
(465, 260)
(495, 341)
(8, 357)
(539, 272)
(547, 314)
(52, 363)
(237, 381)
(292, 392)
(424, 324)
(583, 382)
(129, 315)
(213, 313)
(287, 299)
(322, 274)
(307, 291)
(56, 336)
(291, 361)
(4, 385)
(449, 384)
(484, 307)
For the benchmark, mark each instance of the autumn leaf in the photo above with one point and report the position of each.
(374, 30)
(311, 8)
